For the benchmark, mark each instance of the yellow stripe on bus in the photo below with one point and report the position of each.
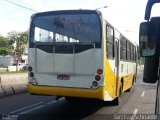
(63, 91)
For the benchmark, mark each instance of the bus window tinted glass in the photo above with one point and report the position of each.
(110, 42)
(67, 28)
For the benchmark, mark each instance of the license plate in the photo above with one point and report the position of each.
(63, 77)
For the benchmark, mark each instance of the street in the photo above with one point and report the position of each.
(140, 100)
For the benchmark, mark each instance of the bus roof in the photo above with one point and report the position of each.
(78, 11)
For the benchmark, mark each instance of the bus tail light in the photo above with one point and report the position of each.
(99, 71)
(97, 77)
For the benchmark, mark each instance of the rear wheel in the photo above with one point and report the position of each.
(120, 89)
(128, 90)
(114, 102)
(133, 81)
(72, 98)
(117, 99)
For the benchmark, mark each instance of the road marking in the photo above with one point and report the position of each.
(135, 111)
(30, 110)
(30, 106)
(142, 95)
(34, 107)
(49, 103)
(62, 98)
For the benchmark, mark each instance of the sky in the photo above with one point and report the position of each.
(124, 15)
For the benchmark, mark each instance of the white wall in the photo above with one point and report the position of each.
(6, 60)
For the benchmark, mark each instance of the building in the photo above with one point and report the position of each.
(6, 60)
(24, 57)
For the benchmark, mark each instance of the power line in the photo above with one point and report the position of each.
(21, 6)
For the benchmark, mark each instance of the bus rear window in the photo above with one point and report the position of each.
(84, 28)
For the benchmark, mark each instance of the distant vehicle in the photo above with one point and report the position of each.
(25, 67)
(20, 65)
(77, 53)
(14, 66)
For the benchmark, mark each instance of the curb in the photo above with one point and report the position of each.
(13, 84)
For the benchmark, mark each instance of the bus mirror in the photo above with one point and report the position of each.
(147, 39)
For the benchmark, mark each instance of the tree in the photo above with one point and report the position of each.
(17, 42)
(14, 44)
(4, 47)
(3, 41)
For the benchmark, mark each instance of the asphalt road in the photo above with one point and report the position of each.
(140, 100)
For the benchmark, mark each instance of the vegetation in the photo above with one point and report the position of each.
(4, 50)
(13, 44)
(14, 72)
(1, 66)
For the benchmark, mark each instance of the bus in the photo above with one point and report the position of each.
(78, 54)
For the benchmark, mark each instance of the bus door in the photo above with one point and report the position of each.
(116, 69)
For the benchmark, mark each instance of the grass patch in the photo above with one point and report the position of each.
(1, 66)
(14, 72)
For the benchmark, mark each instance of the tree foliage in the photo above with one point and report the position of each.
(17, 43)
(14, 44)
(4, 46)
(3, 41)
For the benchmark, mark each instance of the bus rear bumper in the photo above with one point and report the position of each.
(98, 93)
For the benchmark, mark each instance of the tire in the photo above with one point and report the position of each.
(72, 99)
(133, 81)
(120, 89)
(116, 101)
(128, 90)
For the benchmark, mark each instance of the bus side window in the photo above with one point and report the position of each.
(123, 49)
(110, 43)
(132, 52)
(135, 54)
(128, 51)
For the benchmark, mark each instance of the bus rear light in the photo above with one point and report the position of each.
(97, 77)
(99, 71)
(30, 68)
(31, 74)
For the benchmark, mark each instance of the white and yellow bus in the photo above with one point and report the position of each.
(77, 53)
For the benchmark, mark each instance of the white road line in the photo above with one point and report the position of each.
(30, 106)
(49, 103)
(62, 98)
(135, 111)
(33, 109)
(142, 95)
(39, 107)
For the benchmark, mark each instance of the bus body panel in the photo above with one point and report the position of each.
(72, 92)
(67, 63)
(112, 81)
(81, 70)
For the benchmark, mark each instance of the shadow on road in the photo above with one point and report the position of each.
(66, 110)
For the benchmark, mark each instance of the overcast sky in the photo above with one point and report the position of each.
(125, 15)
